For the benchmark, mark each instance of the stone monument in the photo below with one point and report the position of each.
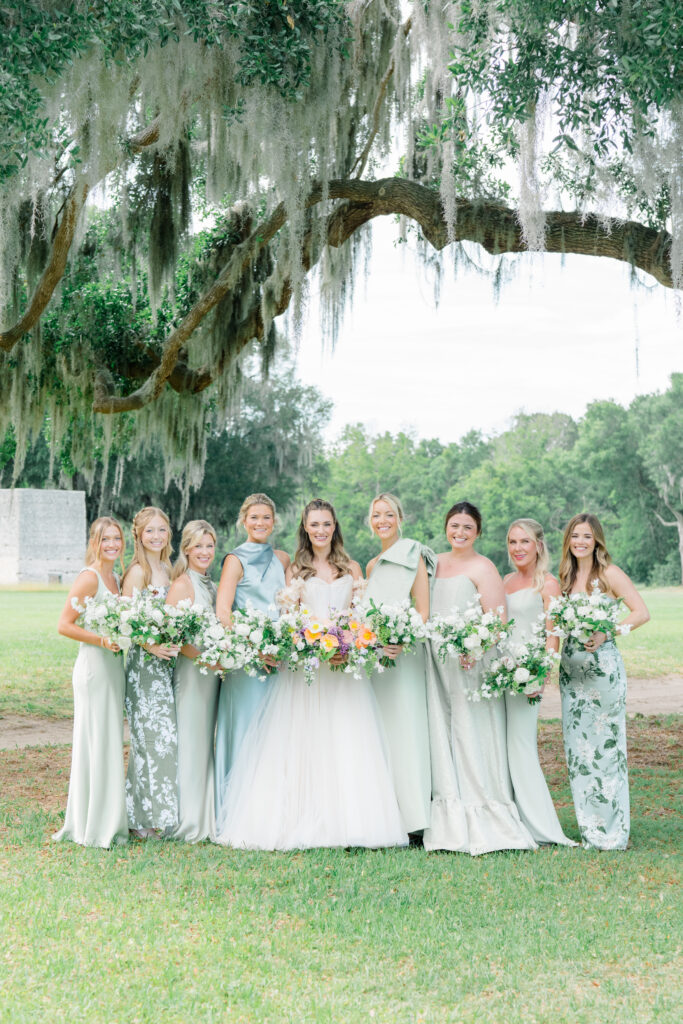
(42, 535)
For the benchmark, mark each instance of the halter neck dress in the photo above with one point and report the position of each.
(240, 694)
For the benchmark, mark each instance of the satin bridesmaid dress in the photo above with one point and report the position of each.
(96, 805)
(531, 793)
(593, 691)
(196, 697)
(401, 690)
(473, 810)
(240, 694)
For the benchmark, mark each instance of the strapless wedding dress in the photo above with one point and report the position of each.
(313, 768)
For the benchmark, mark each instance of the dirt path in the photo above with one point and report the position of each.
(645, 697)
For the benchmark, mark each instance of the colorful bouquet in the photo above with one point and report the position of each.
(316, 641)
(522, 667)
(576, 617)
(391, 624)
(106, 619)
(467, 635)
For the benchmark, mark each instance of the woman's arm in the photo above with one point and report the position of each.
(231, 575)
(551, 589)
(621, 586)
(133, 580)
(182, 590)
(284, 558)
(490, 586)
(420, 590)
(84, 586)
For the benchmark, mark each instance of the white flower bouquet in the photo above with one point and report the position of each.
(467, 635)
(106, 618)
(576, 617)
(392, 624)
(522, 667)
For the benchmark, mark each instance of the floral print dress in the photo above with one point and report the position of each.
(152, 778)
(593, 689)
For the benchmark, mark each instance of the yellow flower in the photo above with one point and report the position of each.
(313, 632)
(365, 637)
(329, 642)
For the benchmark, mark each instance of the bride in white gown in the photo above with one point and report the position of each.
(313, 767)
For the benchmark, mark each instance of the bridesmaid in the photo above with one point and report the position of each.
(593, 689)
(253, 572)
(96, 805)
(152, 779)
(398, 573)
(529, 590)
(196, 695)
(473, 810)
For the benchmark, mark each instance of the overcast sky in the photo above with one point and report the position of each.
(557, 338)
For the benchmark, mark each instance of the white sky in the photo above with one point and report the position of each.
(558, 338)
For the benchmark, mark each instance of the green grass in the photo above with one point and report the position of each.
(35, 675)
(165, 932)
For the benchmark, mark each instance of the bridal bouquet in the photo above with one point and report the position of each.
(578, 616)
(392, 624)
(317, 641)
(106, 618)
(467, 635)
(522, 667)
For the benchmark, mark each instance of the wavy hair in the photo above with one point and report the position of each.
(142, 518)
(534, 531)
(303, 559)
(97, 528)
(569, 566)
(394, 504)
(192, 534)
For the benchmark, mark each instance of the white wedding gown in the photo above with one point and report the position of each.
(313, 768)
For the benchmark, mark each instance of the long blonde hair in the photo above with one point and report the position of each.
(192, 534)
(142, 518)
(534, 531)
(303, 559)
(569, 566)
(394, 504)
(97, 529)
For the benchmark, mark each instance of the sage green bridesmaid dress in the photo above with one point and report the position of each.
(96, 805)
(196, 697)
(473, 810)
(531, 793)
(593, 691)
(401, 690)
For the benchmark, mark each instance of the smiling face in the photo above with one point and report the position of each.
(320, 526)
(259, 522)
(461, 531)
(582, 541)
(111, 544)
(154, 536)
(522, 549)
(384, 521)
(201, 555)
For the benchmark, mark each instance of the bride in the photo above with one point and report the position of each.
(312, 770)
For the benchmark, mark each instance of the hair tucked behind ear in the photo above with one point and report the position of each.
(192, 534)
(569, 566)
(303, 559)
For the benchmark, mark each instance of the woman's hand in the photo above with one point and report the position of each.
(597, 640)
(535, 694)
(164, 651)
(109, 645)
(467, 662)
(392, 651)
(268, 660)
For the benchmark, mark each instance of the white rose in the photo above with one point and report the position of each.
(241, 629)
(125, 629)
(509, 663)
(471, 642)
(483, 632)
(256, 636)
(215, 632)
(124, 642)
(522, 675)
(157, 615)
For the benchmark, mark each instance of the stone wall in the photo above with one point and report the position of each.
(42, 535)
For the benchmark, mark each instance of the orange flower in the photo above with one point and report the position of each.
(329, 642)
(365, 637)
(313, 632)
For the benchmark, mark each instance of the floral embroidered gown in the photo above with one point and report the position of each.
(593, 689)
(152, 778)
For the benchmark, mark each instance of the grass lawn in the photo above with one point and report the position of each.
(36, 663)
(172, 933)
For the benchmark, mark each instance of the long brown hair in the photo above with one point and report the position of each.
(142, 518)
(569, 566)
(303, 559)
(192, 534)
(97, 529)
(534, 531)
